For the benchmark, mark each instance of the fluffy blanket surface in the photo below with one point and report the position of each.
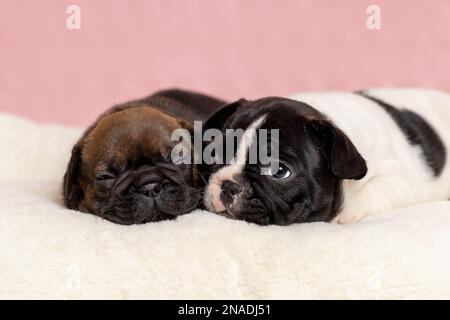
(47, 251)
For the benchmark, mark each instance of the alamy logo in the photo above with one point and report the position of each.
(73, 279)
(73, 21)
(232, 147)
(374, 19)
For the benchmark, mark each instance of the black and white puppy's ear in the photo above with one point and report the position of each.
(218, 119)
(72, 191)
(343, 158)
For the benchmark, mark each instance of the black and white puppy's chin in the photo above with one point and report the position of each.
(236, 201)
(314, 158)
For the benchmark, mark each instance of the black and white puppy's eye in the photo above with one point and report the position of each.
(105, 177)
(283, 172)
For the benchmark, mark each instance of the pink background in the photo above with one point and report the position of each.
(230, 48)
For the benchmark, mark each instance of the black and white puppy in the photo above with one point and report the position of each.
(342, 156)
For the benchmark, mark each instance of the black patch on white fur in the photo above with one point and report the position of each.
(418, 132)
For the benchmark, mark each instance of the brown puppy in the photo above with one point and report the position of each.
(121, 168)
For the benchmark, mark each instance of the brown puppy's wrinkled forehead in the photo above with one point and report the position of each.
(140, 131)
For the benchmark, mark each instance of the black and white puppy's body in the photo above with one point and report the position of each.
(343, 156)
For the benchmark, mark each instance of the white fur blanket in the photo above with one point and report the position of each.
(47, 251)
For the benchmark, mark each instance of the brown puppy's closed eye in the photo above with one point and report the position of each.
(121, 168)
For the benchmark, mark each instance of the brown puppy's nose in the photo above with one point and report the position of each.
(150, 189)
(229, 191)
(148, 185)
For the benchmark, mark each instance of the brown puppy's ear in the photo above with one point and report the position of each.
(73, 193)
(218, 119)
(344, 160)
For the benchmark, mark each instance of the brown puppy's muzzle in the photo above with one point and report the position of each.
(145, 181)
(132, 197)
(150, 193)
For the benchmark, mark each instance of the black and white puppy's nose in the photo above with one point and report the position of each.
(229, 192)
